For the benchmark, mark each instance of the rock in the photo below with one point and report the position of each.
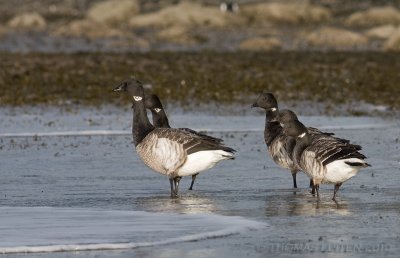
(393, 42)
(93, 30)
(339, 39)
(33, 21)
(374, 16)
(260, 44)
(88, 29)
(185, 14)
(113, 11)
(285, 13)
(381, 32)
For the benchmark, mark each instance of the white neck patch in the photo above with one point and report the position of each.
(273, 109)
(137, 98)
(301, 135)
(157, 109)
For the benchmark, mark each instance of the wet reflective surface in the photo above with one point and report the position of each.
(104, 172)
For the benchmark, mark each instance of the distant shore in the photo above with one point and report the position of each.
(358, 82)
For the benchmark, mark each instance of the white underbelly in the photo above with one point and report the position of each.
(338, 172)
(202, 160)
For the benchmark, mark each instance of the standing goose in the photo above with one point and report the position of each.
(273, 134)
(325, 161)
(160, 119)
(286, 116)
(171, 152)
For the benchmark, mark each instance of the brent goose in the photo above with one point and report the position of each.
(160, 119)
(325, 161)
(171, 152)
(285, 116)
(273, 134)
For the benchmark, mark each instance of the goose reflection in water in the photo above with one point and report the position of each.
(281, 204)
(189, 204)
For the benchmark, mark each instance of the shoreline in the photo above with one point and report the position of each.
(332, 83)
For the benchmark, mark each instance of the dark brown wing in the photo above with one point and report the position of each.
(191, 142)
(328, 151)
(203, 136)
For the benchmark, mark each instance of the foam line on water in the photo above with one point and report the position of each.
(44, 229)
(118, 246)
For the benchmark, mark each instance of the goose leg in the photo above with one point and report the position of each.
(193, 178)
(294, 179)
(173, 193)
(176, 183)
(335, 191)
(312, 185)
(317, 189)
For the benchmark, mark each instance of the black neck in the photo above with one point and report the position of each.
(290, 144)
(301, 145)
(271, 116)
(141, 126)
(272, 127)
(160, 119)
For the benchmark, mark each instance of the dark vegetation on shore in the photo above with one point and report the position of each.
(332, 78)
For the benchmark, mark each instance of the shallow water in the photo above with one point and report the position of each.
(46, 229)
(99, 173)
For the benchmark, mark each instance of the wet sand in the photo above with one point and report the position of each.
(103, 171)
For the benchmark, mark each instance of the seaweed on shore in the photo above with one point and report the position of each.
(203, 77)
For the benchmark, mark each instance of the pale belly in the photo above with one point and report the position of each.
(201, 161)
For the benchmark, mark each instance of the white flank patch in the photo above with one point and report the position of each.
(338, 171)
(157, 109)
(202, 160)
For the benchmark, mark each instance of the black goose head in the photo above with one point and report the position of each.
(141, 126)
(153, 103)
(295, 129)
(286, 116)
(133, 87)
(266, 101)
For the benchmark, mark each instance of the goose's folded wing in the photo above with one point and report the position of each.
(318, 135)
(327, 151)
(313, 130)
(202, 136)
(190, 143)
